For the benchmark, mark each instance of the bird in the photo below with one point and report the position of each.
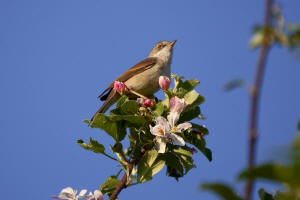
(142, 77)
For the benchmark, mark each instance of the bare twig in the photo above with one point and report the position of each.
(255, 94)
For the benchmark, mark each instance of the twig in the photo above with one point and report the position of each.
(255, 94)
(123, 183)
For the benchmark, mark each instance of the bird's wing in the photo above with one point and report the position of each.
(136, 69)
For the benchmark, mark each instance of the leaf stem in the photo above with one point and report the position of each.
(255, 94)
(110, 156)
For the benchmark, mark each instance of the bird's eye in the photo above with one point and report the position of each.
(161, 46)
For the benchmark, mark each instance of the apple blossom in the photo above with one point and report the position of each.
(177, 104)
(165, 132)
(70, 194)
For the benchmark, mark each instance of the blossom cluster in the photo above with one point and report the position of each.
(160, 133)
(165, 129)
(70, 194)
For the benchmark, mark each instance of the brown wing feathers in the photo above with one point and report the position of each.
(136, 69)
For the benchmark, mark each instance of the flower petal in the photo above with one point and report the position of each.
(98, 195)
(82, 193)
(177, 104)
(173, 117)
(159, 131)
(160, 144)
(161, 121)
(176, 140)
(183, 126)
(67, 193)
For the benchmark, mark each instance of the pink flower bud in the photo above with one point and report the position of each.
(149, 103)
(120, 87)
(177, 105)
(164, 82)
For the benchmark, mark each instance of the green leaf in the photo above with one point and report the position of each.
(92, 146)
(185, 158)
(203, 130)
(177, 81)
(222, 190)
(134, 120)
(173, 161)
(296, 144)
(87, 121)
(110, 185)
(159, 109)
(199, 142)
(233, 84)
(121, 101)
(116, 129)
(273, 172)
(125, 107)
(130, 107)
(207, 152)
(256, 39)
(172, 172)
(118, 148)
(149, 165)
(193, 98)
(263, 195)
(189, 114)
(281, 38)
(95, 147)
(190, 84)
(181, 88)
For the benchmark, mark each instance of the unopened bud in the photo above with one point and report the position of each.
(164, 82)
(120, 87)
(149, 103)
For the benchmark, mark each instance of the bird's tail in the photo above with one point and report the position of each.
(111, 99)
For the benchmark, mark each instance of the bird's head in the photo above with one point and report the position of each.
(162, 49)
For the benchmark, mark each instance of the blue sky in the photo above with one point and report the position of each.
(57, 55)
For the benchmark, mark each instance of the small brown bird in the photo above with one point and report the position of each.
(142, 77)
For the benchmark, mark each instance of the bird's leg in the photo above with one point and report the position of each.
(121, 87)
(137, 94)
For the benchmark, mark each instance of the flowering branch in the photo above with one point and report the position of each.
(158, 133)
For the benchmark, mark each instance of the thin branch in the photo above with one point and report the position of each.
(123, 183)
(255, 95)
(110, 156)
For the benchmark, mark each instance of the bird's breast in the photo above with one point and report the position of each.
(146, 82)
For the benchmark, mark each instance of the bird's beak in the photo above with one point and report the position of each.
(173, 43)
